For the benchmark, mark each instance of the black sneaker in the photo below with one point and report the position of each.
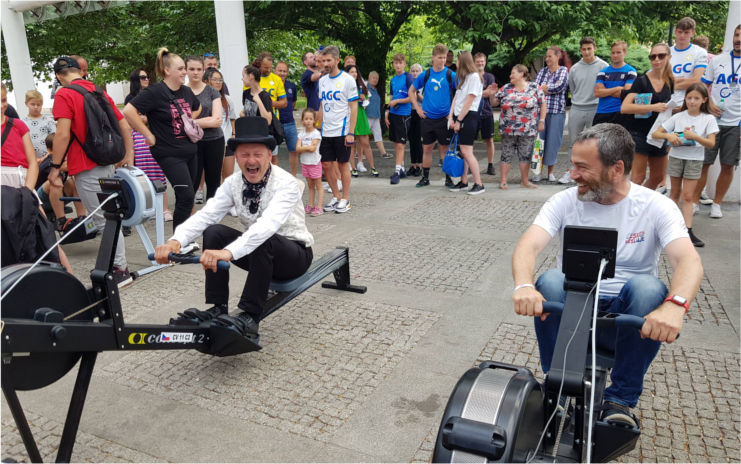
(696, 241)
(458, 187)
(490, 170)
(122, 277)
(423, 182)
(197, 316)
(618, 414)
(126, 231)
(402, 173)
(448, 181)
(476, 189)
(242, 323)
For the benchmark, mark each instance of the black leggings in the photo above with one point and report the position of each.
(181, 173)
(277, 258)
(415, 138)
(210, 159)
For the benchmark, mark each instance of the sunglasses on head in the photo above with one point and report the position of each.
(209, 55)
(660, 56)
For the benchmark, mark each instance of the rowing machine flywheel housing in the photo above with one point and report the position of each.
(494, 414)
(141, 195)
(48, 287)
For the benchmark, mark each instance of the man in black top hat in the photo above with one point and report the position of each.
(275, 244)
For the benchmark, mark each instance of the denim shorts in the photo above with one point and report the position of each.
(291, 135)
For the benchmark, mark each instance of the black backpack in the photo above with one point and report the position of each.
(449, 77)
(103, 144)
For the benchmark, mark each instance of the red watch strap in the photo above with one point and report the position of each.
(686, 305)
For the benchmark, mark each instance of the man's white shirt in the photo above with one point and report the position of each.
(335, 95)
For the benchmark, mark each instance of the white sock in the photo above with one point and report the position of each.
(399, 167)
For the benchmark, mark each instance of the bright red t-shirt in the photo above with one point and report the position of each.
(13, 152)
(70, 104)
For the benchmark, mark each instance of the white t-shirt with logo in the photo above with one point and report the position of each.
(646, 222)
(725, 91)
(471, 86)
(684, 62)
(335, 95)
(703, 125)
(310, 158)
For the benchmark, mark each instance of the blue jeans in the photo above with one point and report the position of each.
(552, 136)
(291, 135)
(639, 296)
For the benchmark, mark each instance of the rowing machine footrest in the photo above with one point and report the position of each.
(225, 341)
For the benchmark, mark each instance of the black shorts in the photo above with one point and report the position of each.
(486, 126)
(615, 118)
(469, 128)
(646, 149)
(334, 149)
(436, 130)
(398, 128)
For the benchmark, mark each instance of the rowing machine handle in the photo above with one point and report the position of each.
(191, 259)
(620, 320)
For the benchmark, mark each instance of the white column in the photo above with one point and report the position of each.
(734, 191)
(233, 56)
(19, 58)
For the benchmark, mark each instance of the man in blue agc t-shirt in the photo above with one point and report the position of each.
(399, 113)
(611, 81)
(438, 87)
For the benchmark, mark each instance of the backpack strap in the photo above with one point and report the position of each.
(8, 127)
(427, 76)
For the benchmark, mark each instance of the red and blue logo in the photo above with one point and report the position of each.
(636, 237)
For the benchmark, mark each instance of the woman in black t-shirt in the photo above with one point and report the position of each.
(166, 137)
(255, 100)
(211, 146)
(659, 83)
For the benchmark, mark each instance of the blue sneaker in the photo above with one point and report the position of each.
(402, 173)
(395, 177)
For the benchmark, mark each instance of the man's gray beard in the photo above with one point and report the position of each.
(595, 195)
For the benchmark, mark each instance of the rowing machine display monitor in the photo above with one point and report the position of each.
(498, 412)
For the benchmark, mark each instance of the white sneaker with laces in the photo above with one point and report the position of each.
(331, 205)
(715, 211)
(343, 206)
(695, 208)
(361, 167)
(705, 199)
(190, 248)
(551, 178)
(536, 178)
(566, 178)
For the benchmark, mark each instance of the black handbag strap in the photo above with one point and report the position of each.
(8, 127)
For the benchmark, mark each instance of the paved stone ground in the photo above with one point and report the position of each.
(344, 377)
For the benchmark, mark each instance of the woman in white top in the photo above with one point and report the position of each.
(464, 119)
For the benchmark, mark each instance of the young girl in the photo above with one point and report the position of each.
(39, 126)
(362, 128)
(311, 166)
(689, 132)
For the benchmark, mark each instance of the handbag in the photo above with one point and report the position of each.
(191, 128)
(276, 130)
(452, 163)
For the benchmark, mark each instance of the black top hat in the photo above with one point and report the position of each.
(64, 62)
(252, 129)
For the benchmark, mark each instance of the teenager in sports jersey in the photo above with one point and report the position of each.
(434, 110)
(338, 113)
(688, 60)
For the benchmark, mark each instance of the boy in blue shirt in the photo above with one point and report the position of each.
(438, 86)
(611, 81)
(399, 113)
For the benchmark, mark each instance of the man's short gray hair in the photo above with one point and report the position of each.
(614, 144)
(332, 51)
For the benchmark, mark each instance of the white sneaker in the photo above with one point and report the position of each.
(331, 205)
(343, 206)
(329, 189)
(661, 189)
(190, 248)
(536, 178)
(551, 178)
(199, 197)
(705, 199)
(715, 211)
(566, 178)
(361, 167)
(695, 208)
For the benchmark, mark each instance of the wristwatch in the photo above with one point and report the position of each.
(679, 300)
(55, 166)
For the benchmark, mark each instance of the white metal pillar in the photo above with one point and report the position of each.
(19, 58)
(232, 38)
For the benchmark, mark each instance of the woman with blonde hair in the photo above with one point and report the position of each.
(464, 119)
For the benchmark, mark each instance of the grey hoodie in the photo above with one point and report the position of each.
(582, 78)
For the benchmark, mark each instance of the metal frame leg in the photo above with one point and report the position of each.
(74, 414)
(20, 421)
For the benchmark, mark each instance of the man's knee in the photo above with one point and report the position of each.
(550, 285)
(643, 293)
(213, 237)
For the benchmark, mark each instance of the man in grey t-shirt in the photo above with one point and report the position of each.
(582, 77)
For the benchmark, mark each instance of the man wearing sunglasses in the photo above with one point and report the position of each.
(275, 245)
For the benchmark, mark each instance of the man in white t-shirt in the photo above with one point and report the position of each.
(688, 60)
(338, 112)
(723, 75)
(647, 222)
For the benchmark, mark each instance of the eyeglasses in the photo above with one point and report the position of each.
(143, 78)
(209, 55)
(654, 56)
(217, 81)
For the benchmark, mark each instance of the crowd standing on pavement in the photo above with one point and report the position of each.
(426, 107)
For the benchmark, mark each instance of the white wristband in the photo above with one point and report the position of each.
(523, 286)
